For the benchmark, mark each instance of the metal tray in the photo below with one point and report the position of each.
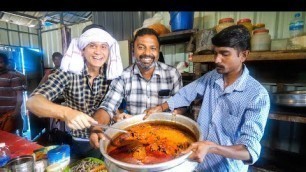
(290, 98)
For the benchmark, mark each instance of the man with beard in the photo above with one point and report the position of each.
(235, 107)
(144, 84)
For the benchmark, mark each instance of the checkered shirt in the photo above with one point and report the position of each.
(140, 93)
(76, 90)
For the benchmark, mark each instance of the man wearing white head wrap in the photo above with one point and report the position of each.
(82, 80)
(73, 60)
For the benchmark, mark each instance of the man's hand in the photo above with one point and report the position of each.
(199, 150)
(95, 136)
(96, 133)
(121, 116)
(77, 120)
(149, 111)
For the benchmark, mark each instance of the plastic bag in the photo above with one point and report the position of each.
(155, 23)
(157, 18)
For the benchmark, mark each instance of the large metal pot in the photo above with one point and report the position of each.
(179, 164)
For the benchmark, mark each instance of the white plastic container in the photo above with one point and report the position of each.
(224, 23)
(261, 40)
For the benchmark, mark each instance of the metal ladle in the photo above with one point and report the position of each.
(106, 127)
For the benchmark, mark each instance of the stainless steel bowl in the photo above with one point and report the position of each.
(24, 163)
(178, 164)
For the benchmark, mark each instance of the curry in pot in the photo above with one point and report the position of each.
(151, 143)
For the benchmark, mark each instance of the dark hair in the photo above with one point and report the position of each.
(5, 58)
(57, 54)
(236, 36)
(146, 31)
(93, 26)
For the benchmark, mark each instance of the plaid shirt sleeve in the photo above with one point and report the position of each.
(114, 96)
(54, 86)
(178, 82)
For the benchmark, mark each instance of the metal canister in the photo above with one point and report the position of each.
(24, 163)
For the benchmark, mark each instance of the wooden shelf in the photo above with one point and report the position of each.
(177, 37)
(259, 56)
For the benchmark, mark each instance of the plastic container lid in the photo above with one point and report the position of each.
(245, 20)
(226, 20)
(296, 15)
(259, 25)
(260, 30)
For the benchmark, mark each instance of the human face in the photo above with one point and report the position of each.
(146, 51)
(57, 61)
(228, 60)
(95, 54)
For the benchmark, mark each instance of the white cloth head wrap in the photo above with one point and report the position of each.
(73, 60)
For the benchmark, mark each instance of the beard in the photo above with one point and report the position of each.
(220, 69)
(143, 65)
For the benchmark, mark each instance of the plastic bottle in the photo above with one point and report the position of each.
(296, 26)
(5, 154)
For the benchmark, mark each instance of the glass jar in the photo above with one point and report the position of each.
(224, 23)
(261, 40)
(247, 23)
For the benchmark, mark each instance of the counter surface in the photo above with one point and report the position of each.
(18, 145)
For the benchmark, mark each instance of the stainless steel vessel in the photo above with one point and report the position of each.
(179, 164)
(290, 98)
(23, 163)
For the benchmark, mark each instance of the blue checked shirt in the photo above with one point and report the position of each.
(140, 93)
(77, 92)
(230, 116)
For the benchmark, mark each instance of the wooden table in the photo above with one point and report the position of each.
(18, 145)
